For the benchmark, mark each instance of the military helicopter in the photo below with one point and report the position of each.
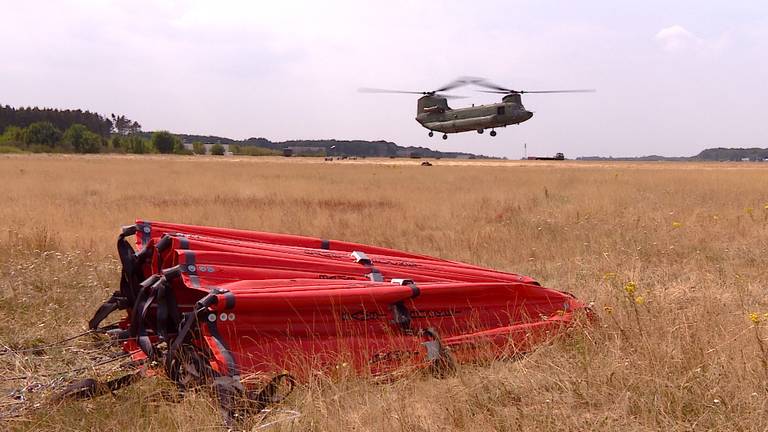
(433, 112)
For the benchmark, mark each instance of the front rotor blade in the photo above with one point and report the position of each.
(459, 82)
(378, 90)
(451, 85)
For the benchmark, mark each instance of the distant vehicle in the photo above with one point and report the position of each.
(433, 112)
(287, 152)
(558, 156)
(426, 163)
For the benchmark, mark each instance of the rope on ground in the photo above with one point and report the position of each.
(291, 415)
(64, 372)
(55, 344)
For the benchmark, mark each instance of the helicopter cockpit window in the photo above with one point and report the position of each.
(500, 110)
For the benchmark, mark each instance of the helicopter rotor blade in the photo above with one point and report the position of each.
(459, 82)
(538, 91)
(495, 88)
(447, 96)
(482, 82)
(559, 91)
(378, 90)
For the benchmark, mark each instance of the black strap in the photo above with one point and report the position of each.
(441, 361)
(141, 299)
(130, 273)
(132, 263)
(186, 324)
(143, 337)
(168, 314)
(90, 388)
(115, 302)
(401, 317)
(400, 314)
(128, 260)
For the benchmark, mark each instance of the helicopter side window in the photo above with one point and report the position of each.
(500, 110)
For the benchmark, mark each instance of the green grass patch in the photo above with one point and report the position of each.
(6, 149)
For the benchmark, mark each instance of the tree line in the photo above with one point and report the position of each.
(45, 137)
(60, 131)
(50, 130)
(59, 119)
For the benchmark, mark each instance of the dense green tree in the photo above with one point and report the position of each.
(122, 125)
(61, 119)
(136, 144)
(12, 135)
(116, 142)
(180, 149)
(81, 140)
(43, 132)
(235, 149)
(198, 148)
(217, 149)
(165, 142)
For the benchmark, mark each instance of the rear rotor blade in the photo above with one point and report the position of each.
(489, 85)
(558, 91)
(495, 88)
(537, 91)
(447, 96)
(497, 91)
(378, 90)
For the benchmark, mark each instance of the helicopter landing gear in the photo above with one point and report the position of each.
(493, 133)
(431, 134)
(480, 131)
(445, 136)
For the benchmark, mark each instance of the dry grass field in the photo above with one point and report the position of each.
(677, 352)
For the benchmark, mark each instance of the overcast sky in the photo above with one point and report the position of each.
(672, 77)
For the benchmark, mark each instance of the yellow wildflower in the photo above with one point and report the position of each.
(754, 317)
(630, 287)
(640, 300)
(749, 210)
(677, 224)
(765, 206)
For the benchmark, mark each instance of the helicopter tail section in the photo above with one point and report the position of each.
(432, 104)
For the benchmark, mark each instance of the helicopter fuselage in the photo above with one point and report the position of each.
(435, 115)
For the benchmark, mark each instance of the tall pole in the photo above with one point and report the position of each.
(525, 150)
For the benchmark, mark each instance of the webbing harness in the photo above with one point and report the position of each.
(130, 276)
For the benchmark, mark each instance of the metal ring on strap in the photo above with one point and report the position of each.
(361, 258)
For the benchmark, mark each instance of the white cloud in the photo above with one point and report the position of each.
(677, 38)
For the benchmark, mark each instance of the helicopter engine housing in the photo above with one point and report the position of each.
(430, 104)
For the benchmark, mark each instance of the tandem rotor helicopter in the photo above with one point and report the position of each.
(433, 112)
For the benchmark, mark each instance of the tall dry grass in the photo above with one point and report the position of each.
(675, 350)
